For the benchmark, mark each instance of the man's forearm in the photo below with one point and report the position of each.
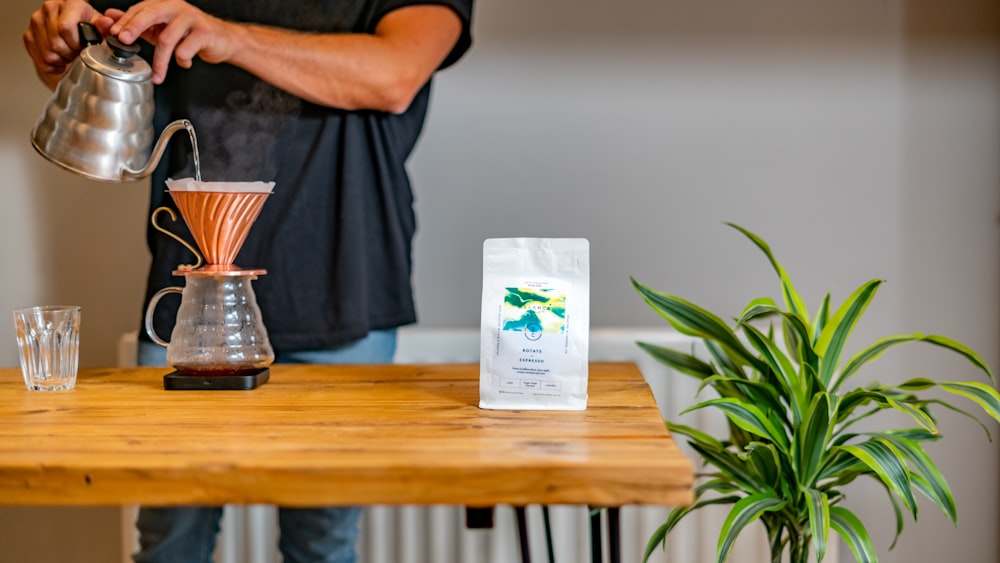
(381, 71)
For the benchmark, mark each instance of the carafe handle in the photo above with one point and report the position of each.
(152, 307)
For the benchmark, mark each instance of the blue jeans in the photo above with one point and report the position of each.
(308, 535)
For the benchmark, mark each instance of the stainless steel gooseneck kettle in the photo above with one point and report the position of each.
(99, 121)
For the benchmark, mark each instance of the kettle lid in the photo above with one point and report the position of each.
(117, 60)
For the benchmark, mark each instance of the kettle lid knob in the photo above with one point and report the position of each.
(116, 60)
(120, 50)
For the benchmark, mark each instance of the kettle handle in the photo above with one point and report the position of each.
(89, 34)
(152, 307)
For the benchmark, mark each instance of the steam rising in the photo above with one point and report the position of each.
(236, 141)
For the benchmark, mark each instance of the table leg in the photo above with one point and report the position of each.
(548, 534)
(478, 518)
(522, 533)
(596, 546)
(614, 534)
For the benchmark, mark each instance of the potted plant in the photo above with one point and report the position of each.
(793, 440)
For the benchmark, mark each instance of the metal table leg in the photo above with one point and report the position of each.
(522, 534)
(548, 535)
(596, 546)
(477, 518)
(614, 534)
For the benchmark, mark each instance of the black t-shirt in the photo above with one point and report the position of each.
(335, 236)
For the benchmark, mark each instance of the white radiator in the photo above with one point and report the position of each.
(437, 534)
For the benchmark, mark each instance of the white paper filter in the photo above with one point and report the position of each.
(191, 185)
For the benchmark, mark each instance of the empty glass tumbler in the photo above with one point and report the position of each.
(48, 339)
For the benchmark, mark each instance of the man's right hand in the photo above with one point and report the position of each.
(52, 39)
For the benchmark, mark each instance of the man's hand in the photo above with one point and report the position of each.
(177, 29)
(52, 39)
(381, 71)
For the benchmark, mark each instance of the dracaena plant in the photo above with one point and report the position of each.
(782, 379)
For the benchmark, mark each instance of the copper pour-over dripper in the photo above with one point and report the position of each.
(219, 340)
(219, 221)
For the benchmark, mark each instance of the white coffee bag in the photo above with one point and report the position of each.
(535, 324)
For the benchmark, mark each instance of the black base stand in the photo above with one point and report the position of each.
(177, 381)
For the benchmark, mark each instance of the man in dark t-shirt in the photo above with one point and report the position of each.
(326, 98)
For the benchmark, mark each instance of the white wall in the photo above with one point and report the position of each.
(858, 137)
(950, 249)
(65, 240)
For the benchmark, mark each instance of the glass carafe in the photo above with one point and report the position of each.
(219, 329)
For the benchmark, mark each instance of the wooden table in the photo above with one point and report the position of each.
(333, 435)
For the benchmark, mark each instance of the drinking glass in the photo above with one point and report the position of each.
(48, 339)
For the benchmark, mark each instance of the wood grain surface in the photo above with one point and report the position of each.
(332, 435)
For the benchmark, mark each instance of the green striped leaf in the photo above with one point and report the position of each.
(684, 363)
(776, 359)
(659, 537)
(838, 330)
(811, 440)
(818, 507)
(869, 353)
(760, 307)
(793, 301)
(897, 513)
(822, 317)
(744, 512)
(797, 334)
(845, 523)
(723, 360)
(933, 483)
(885, 461)
(914, 434)
(841, 467)
(731, 467)
(654, 298)
(796, 331)
(720, 485)
(756, 392)
(695, 434)
(766, 462)
(749, 418)
(851, 401)
(810, 380)
(964, 350)
(970, 416)
(913, 409)
(692, 320)
(984, 395)
(917, 384)
(876, 349)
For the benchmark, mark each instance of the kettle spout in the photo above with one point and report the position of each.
(161, 146)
